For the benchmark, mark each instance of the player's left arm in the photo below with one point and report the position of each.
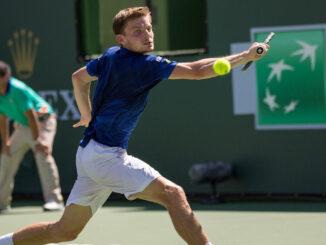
(202, 69)
(81, 81)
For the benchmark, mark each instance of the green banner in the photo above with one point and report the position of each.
(291, 79)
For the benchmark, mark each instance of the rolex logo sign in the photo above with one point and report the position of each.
(23, 48)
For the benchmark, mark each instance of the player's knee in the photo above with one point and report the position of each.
(175, 195)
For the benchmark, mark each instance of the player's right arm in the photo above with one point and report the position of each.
(81, 81)
(202, 69)
(4, 131)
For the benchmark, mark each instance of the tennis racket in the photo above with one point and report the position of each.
(259, 50)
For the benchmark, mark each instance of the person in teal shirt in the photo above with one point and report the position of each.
(34, 128)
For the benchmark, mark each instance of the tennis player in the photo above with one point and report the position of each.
(125, 76)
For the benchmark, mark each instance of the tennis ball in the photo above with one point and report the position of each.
(222, 66)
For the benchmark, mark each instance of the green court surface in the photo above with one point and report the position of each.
(235, 223)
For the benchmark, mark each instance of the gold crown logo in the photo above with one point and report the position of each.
(23, 51)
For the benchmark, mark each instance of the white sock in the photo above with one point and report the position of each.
(209, 243)
(6, 239)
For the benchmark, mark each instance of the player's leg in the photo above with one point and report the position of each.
(74, 219)
(172, 196)
(9, 164)
(85, 198)
(137, 179)
(47, 168)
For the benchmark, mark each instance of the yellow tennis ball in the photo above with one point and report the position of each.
(222, 66)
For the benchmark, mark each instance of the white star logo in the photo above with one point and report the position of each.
(307, 51)
(277, 69)
(290, 107)
(270, 100)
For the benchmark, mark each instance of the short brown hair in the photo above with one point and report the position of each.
(4, 69)
(120, 20)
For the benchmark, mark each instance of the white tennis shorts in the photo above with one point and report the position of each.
(102, 170)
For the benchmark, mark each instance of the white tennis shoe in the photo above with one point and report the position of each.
(53, 206)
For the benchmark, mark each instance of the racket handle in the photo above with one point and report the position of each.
(246, 66)
(259, 50)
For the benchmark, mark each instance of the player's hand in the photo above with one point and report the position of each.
(84, 121)
(257, 51)
(43, 148)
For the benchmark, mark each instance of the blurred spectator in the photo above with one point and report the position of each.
(34, 128)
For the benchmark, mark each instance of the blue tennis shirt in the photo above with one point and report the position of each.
(124, 81)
